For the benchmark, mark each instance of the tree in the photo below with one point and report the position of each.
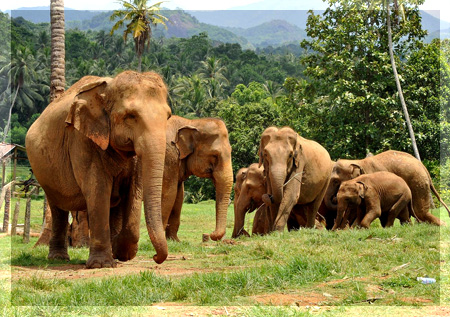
(141, 17)
(22, 73)
(58, 66)
(349, 99)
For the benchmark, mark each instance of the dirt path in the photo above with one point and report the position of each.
(174, 266)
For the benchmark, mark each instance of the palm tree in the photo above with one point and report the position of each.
(22, 72)
(57, 82)
(141, 17)
(58, 66)
(213, 72)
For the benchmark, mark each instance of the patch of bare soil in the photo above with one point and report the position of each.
(416, 300)
(174, 309)
(78, 271)
(306, 299)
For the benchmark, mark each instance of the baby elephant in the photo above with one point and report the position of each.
(379, 195)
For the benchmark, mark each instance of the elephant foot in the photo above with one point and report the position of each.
(58, 255)
(173, 237)
(124, 251)
(216, 236)
(98, 261)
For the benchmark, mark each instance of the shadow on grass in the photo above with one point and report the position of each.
(29, 259)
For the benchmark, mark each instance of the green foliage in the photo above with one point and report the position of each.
(248, 112)
(350, 95)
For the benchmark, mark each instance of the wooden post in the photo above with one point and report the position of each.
(15, 217)
(45, 208)
(14, 170)
(26, 227)
(7, 208)
(3, 172)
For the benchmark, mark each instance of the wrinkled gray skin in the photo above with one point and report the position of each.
(100, 147)
(404, 165)
(297, 173)
(378, 195)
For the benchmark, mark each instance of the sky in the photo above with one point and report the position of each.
(439, 7)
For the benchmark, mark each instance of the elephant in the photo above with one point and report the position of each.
(197, 147)
(404, 165)
(297, 172)
(100, 147)
(381, 195)
(248, 191)
(78, 232)
(249, 188)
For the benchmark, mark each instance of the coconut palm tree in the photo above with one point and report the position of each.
(142, 17)
(58, 52)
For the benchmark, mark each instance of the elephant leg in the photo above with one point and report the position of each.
(395, 210)
(292, 223)
(174, 218)
(125, 223)
(383, 219)
(58, 242)
(404, 216)
(100, 251)
(370, 216)
(421, 204)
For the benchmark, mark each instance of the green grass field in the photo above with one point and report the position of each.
(295, 273)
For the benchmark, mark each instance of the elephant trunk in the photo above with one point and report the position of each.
(152, 153)
(240, 209)
(223, 181)
(341, 219)
(277, 179)
(330, 197)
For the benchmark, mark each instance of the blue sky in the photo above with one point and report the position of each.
(439, 7)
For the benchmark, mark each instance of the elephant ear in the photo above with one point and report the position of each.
(297, 152)
(88, 114)
(362, 188)
(265, 138)
(185, 140)
(356, 170)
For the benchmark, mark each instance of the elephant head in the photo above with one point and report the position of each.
(349, 197)
(249, 188)
(280, 152)
(205, 151)
(126, 116)
(343, 170)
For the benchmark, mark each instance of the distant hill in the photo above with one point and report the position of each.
(181, 24)
(273, 33)
(42, 14)
(251, 18)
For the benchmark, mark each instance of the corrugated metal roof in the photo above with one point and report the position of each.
(6, 148)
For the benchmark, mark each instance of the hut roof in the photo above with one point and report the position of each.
(6, 149)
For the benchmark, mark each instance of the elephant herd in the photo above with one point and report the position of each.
(108, 144)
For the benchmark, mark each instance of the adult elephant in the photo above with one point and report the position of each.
(100, 147)
(297, 173)
(413, 172)
(196, 147)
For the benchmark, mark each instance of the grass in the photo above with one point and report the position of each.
(359, 269)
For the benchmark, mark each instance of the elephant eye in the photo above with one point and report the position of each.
(129, 116)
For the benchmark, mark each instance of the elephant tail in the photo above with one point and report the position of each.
(411, 211)
(433, 189)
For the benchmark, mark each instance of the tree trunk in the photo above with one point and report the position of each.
(399, 87)
(6, 130)
(57, 83)
(57, 76)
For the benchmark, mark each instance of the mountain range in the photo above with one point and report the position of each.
(250, 28)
